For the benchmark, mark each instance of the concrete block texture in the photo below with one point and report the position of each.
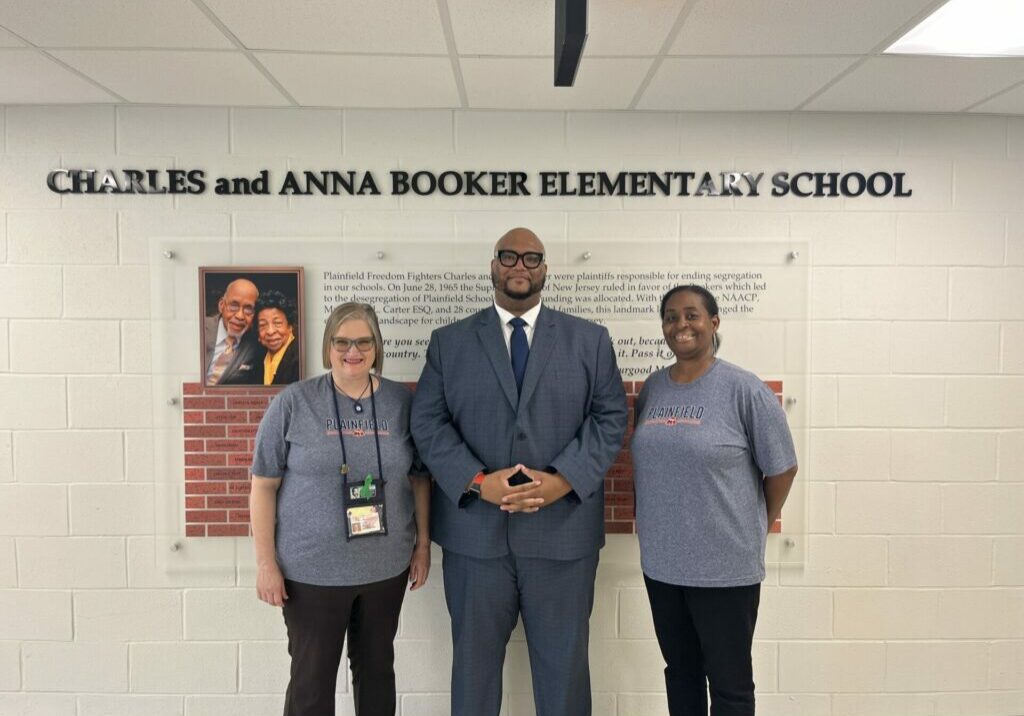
(66, 236)
(183, 668)
(943, 455)
(172, 130)
(75, 666)
(58, 456)
(10, 666)
(112, 509)
(287, 132)
(30, 291)
(130, 705)
(71, 562)
(230, 615)
(25, 704)
(8, 565)
(888, 508)
(127, 615)
(65, 346)
(33, 509)
(106, 292)
(39, 130)
(940, 561)
(35, 615)
(833, 666)
(911, 402)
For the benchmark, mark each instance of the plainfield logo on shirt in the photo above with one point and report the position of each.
(673, 415)
(359, 428)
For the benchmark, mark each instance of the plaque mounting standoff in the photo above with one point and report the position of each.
(570, 36)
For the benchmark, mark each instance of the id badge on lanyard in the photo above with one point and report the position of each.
(364, 501)
(365, 512)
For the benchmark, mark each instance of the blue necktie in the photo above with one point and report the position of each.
(520, 349)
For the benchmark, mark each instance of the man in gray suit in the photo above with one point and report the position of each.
(233, 355)
(519, 412)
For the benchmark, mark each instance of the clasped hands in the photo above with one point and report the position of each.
(543, 489)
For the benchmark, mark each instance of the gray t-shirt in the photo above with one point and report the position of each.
(700, 452)
(298, 441)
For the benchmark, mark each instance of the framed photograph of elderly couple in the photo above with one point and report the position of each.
(250, 326)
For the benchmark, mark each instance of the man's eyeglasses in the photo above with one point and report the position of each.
(509, 258)
(234, 307)
(364, 345)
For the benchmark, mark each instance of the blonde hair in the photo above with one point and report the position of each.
(354, 312)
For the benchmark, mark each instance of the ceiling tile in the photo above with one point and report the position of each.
(29, 77)
(794, 27)
(919, 84)
(744, 84)
(7, 39)
(380, 26)
(112, 23)
(1011, 102)
(359, 81)
(527, 27)
(527, 83)
(168, 77)
(497, 27)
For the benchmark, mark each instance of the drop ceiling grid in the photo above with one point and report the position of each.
(727, 55)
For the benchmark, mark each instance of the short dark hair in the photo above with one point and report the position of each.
(273, 298)
(710, 304)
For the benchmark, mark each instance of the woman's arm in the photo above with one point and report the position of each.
(419, 567)
(776, 490)
(262, 516)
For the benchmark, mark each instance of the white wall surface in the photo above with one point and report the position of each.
(912, 597)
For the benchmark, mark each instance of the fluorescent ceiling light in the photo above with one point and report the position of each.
(968, 28)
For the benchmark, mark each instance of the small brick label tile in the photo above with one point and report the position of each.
(227, 473)
(227, 502)
(248, 403)
(205, 431)
(228, 445)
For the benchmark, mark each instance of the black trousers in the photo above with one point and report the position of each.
(317, 619)
(705, 635)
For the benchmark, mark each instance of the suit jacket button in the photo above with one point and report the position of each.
(521, 435)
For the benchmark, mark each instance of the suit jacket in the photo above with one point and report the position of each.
(467, 416)
(246, 366)
(288, 368)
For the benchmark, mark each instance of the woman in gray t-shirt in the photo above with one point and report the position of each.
(713, 461)
(340, 518)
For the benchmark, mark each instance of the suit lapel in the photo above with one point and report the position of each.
(493, 342)
(544, 337)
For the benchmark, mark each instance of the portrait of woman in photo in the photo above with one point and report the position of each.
(713, 462)
(276, 317)
(339, 510)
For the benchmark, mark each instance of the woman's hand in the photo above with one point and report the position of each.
(270, 584)
(419, 566)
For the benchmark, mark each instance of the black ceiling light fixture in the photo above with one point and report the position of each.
(570, 36)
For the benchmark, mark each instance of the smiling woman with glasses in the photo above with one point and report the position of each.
(339, 509)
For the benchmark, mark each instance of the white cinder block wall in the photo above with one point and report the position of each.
(912, 598)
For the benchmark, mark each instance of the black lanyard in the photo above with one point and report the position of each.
(341, 438)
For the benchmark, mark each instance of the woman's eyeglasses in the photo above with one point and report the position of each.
(364, 345)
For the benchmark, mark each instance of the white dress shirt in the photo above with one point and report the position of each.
(506, 330)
